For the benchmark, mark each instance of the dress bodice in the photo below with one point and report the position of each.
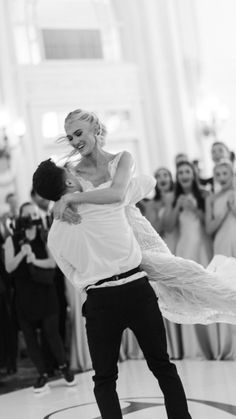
(112, 166)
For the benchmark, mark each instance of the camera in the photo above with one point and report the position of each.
(24, 223)
(27, 222)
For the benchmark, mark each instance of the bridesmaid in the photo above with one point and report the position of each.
(153, 208)
(221, 223)
(187, 213)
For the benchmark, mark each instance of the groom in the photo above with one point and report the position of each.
(102, 256)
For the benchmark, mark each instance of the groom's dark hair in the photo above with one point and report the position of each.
(48, 180)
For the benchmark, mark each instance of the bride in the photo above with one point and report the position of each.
(187, 292)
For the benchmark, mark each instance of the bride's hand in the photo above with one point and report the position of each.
(63, 212)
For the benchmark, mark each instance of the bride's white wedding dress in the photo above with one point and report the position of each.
(188, 293)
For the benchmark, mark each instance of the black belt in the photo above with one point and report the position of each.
(117, 277)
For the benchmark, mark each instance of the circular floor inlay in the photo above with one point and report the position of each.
(146, 406)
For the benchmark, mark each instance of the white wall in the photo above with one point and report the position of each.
(151, 36)
(217, 36)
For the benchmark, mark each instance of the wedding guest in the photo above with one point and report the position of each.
(219, 150)
(32, 268)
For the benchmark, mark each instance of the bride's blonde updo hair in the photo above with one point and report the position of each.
(97, 126)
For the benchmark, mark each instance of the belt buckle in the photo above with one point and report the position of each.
(115, 277)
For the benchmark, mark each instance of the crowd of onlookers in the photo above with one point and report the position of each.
(194, 215)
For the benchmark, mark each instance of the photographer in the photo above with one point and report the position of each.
(28, 260)
(46, 213)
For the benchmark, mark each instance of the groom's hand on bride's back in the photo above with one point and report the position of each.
(65, 212)
(71, 216)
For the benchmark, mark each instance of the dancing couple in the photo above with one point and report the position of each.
(107, 249)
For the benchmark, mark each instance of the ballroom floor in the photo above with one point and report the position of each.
(210, 388)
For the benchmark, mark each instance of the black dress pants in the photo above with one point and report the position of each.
(109, 311)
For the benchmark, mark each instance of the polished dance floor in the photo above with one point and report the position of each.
(210, 388)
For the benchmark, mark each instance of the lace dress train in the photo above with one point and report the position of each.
(188, 293)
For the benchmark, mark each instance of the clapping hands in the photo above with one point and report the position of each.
(189, 203)
(186, 202)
